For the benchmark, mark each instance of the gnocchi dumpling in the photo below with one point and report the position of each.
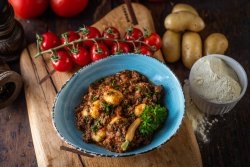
(115, 119)
(113, 96)
(94, 109)
(99, 135)
(139, 109)
(84, 112)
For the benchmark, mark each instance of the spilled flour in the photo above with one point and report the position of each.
(200, 122)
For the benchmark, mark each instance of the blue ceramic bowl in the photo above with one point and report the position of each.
(70, 95)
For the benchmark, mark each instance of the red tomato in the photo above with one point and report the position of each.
(110, 32)
(153, 40)
(69, 36)
(123, 48)
(49, 40)
(134, 34)
(68, 8)
(144, 50)
(99, 51)
(89, 32)
(27, 9)
(62, 61)
(81, 57)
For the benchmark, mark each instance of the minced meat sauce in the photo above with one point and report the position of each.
(108, 109)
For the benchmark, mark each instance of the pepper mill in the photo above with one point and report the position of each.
(10, 85)
(12, 39)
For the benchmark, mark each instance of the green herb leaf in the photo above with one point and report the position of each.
(95, 98)
(113, 83)
(124, 145)
(148, 94)
(94, 128)
(138, 88)
(106, 107)
(152, 117)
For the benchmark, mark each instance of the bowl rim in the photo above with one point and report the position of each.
(226, 59)
(94, 154)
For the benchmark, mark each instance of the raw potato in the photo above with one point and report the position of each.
(191, 48)
(182, 21)
(180, 7)
(215, 43)
(171, 46)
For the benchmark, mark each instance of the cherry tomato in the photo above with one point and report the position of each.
(123, 48)
(89, 32)
(62, 61)
(49, 40)
(134, 34)
(68, 8)
(69, 36)
(110, 32)
(153, 40)
(99, 51)
(81, 56)
(143, 50)
(27, 9)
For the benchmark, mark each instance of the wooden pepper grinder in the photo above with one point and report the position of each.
(10, 85)
(12, 39)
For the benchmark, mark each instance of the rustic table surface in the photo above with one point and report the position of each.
(229, 139)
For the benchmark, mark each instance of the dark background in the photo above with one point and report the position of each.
(229, 144)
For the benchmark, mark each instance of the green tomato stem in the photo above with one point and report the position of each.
(90, 39)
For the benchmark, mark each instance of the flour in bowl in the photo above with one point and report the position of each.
(215, 81)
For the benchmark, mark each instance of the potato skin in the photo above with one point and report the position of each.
(215, 43)
(191, 48)
(180, 7)
(171, 46)
(182, 21)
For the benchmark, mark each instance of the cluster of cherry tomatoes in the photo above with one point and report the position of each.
(27, 9)
(89, 45)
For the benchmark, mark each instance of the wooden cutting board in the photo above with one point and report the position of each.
(181, 150)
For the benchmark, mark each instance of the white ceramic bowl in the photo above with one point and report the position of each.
(212, 107)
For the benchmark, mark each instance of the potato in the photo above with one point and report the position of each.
(180, 7)
(215, 43)
(171, 46)
(191, 48)
(182, 21)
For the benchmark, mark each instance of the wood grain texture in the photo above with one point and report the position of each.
(39, 102)
(16, 146)
(181, 150)
(229, 139)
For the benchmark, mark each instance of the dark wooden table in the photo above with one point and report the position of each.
(229, 139)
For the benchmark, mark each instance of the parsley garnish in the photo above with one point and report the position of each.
(94, 98)
(148, 94)
(94, 128)
(138, 88)
(106, 107)
(113, 83)
(152, 117)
